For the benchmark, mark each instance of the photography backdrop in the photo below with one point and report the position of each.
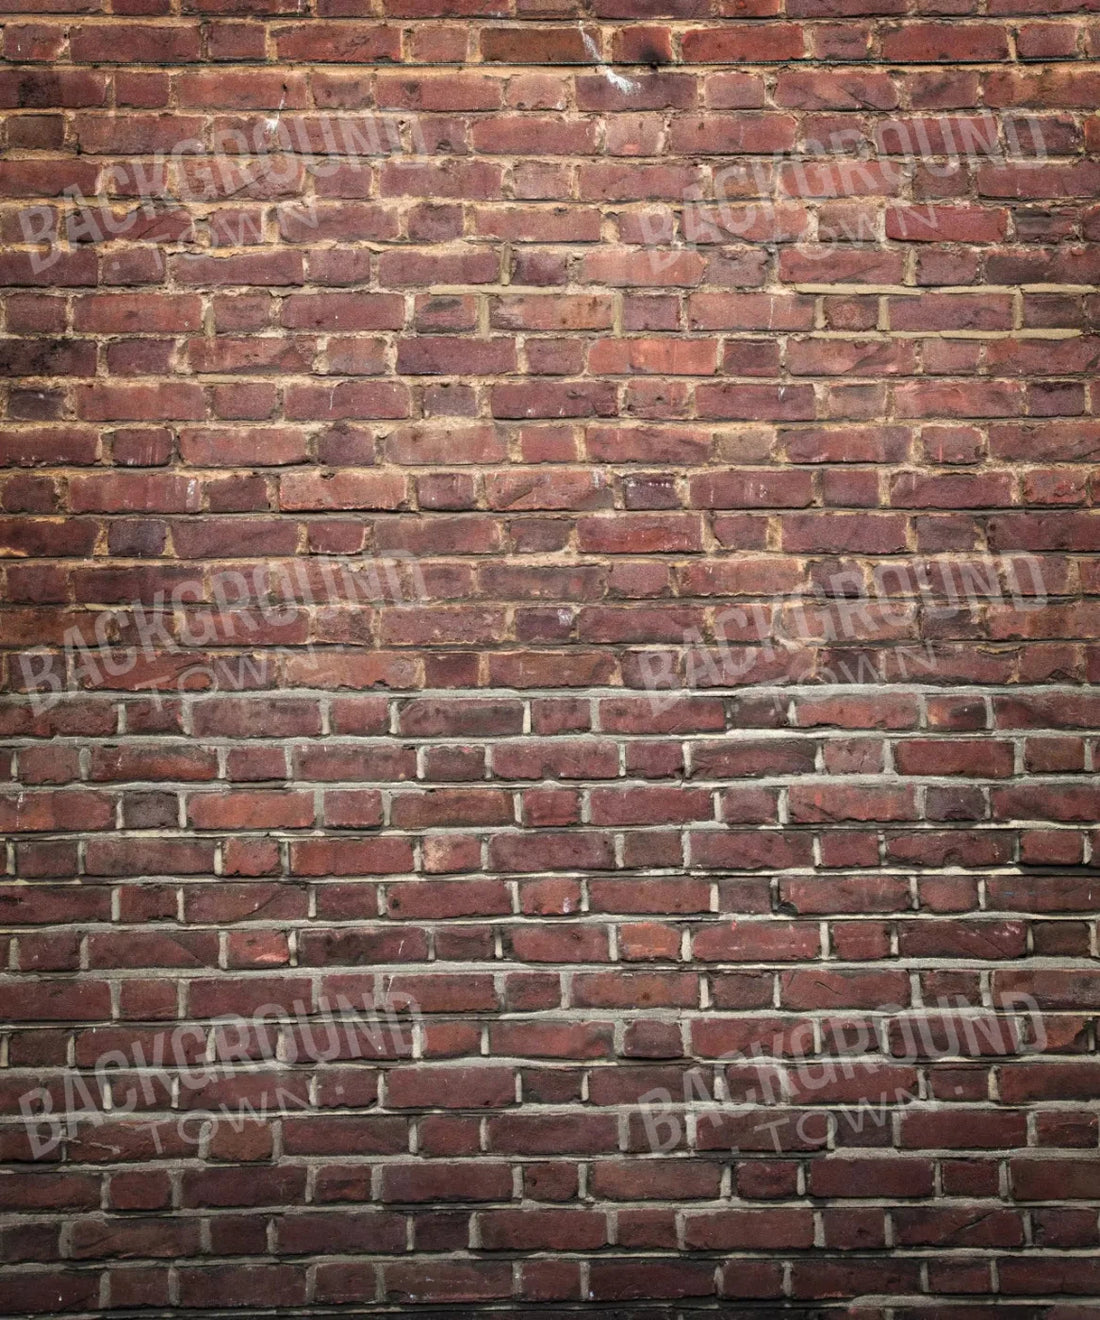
(550, 610)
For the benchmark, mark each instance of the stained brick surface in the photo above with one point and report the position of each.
(569, 534)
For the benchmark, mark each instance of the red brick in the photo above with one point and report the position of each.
(612, 368)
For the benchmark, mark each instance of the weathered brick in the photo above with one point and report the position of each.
(583, 560)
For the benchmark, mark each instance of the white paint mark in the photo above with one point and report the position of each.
(272, 122)
(627, 85)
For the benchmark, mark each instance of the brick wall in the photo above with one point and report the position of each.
(550, 576)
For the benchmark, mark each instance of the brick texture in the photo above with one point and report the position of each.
(577, 526)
